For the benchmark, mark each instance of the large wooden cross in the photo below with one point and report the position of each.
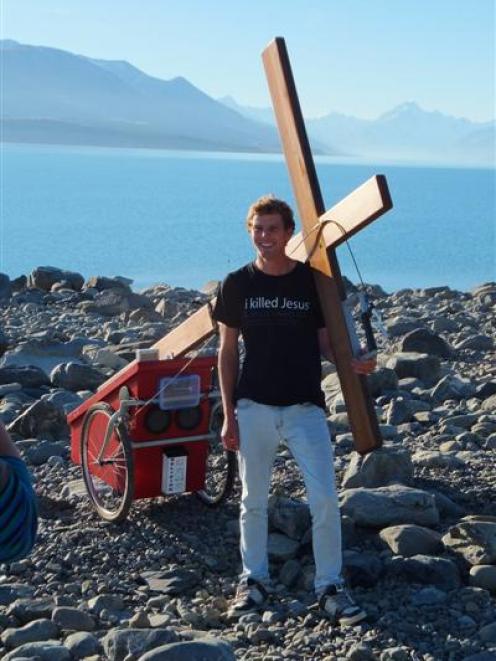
(322, 233)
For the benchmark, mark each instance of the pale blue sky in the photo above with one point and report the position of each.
(359, 57)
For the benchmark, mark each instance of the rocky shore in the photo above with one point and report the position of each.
(418, 516)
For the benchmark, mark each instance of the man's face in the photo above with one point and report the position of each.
(269, 235)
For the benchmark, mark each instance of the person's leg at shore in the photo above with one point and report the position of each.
(259, 439)
(306, 432)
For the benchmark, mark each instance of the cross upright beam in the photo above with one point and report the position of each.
(359, 404)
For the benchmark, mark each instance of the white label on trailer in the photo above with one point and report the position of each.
(174, 473)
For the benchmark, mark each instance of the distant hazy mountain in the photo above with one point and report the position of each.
(50, 95)
(53, 96)
(406, 132)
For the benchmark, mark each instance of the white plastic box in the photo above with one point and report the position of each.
(174, 470)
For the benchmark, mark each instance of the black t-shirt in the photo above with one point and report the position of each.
(278, 317)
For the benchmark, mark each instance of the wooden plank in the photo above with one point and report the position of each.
(361, 413)
(188, 335)
(347, 217)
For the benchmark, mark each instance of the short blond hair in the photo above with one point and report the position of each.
(268, 204)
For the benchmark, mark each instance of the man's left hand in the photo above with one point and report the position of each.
(364, 364)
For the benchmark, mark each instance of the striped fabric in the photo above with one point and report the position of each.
(18, 515)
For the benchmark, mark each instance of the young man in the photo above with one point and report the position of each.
(274, 304)
(18, 515)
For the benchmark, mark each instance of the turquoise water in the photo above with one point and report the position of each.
(178, 217)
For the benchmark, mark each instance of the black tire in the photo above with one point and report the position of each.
(109, 482)
(220, 471)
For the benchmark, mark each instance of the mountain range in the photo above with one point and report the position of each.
(54, 96)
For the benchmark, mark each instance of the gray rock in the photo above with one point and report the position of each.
(395, 654)
(440, 572)
(5, 287)
(487, 633)
(27, 376)
(420, 365)
(44, 277)
(119, 643)
(379, 468)
(484, 576)
(380, 380)
(82, 644)
(360, 652)
(280, 547)
(11, 592)
(452, 387)
(435, 459)
(111, 602)
(172, 582)
(476, 343)
(398, 411)
(44, 353)
(36, 630)
(475, 539)
(488, 404)
(289, 516)
(423, 340)
(72, 619)
(486, 390)
(429, 596)
(290, 573)
(49, 650)
(408, 540)
(398, 326)
(65, 400)
(391, 505)
(362, 568)
(25, 610)
(40, 453)
(75, 376)
(100, 283)
(202, 649)
(39, 419)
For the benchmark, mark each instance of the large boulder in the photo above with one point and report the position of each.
(27, 376)
(379, 468)
(101, 282)
(120, 644)
(44, 277)
(423, 340)
(420, 365)
(452, 386)
(474, 537)
(408, 540)
(201, 649)
(381, 380)
(388, 506)
(5, 286)
(289, 516)
(39, 419)
(110, 302)
(44, 354)
(441, 572)
(75, 376)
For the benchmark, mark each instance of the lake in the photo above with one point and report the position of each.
(178, 217)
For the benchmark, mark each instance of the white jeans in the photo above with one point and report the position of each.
(304, 428)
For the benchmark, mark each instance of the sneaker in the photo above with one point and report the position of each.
(337, 603)
(250, 597)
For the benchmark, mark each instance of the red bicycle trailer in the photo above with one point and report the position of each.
(152, 430)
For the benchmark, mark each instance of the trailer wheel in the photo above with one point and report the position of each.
(109, 478)
(221, 465)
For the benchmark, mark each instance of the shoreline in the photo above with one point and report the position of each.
(418, 515)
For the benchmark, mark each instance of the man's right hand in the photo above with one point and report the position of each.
(230, 433)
